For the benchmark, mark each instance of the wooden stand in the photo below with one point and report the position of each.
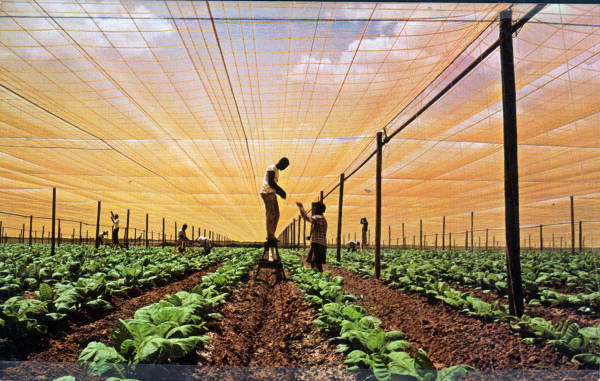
(275, 263)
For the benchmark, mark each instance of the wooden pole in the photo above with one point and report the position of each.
(420, 234)
(147, 242)
(403, 237)
(80, 233)
(338, 249)
(486, 239)
(293, 233)
(436, 237)
(580, 236)
(175, 235)
(472, 239)
(444, 233)
(572, 226)
(449, 240)
(299, 232)
(59, 233)
(511, 168)
(378, 205)
(127, 230)
(43, 228)
(541, 238)
(389, 237)
(23, 234)
(304, 233)
(30, 230)
(321, 196)
(163, 232)
(97, 244)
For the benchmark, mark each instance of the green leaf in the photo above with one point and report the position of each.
(398, 345)
(587, 358)
(100, 358)
(375, 340)
(45, 292)
(454, 372)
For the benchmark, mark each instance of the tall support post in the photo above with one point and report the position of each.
(450, 241)
(127, 230)
(436, 242)
(378, 206)
(304, 233)
(97, 243)
(541, 238)
(321, 196)
(444, 233)
(163, 231)
(30, 230)
(553, 242)
(43, 228)
(389, 237)
(580, 236)
(472, 240)
(338, 250)
(175, 223)
(59, 233)
(293, 233)
(193, 232)
(572, 226)
(403, 238)
(420, 234)
(511, 167)
(146, 234)
(135, 237)
(299, 232)
(80, 235)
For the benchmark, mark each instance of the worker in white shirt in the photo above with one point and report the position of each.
(269, 191)
(205, 243)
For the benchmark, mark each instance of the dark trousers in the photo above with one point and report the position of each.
(115, 236)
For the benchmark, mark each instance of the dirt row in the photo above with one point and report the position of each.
(449, 337)
(67, 347)
(269, 331)
(553, 314)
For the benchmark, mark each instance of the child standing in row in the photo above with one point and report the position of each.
(318, 235)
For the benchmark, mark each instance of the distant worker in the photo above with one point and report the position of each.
(205, 243)
(115, 228)
(269, 191)
(352, 245)
(318, 235)
(182, 239)
(365, 229)
(101, 237)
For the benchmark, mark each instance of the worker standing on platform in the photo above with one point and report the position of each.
(318, 235)
(365, 228)
(269, 191)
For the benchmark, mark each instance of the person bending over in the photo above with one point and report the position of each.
(352, 245)
(182, 239)
(115, 228)
(269, 191)
(318, 235)
(205, 243)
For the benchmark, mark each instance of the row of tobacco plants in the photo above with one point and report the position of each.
(413, 271)
(172, 328)
(360, 336)
(80, 279)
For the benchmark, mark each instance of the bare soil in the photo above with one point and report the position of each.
(449, 337)
(553, 314)
(270, 330)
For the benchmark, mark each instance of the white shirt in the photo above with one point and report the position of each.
(115, 223)
(266, 188)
